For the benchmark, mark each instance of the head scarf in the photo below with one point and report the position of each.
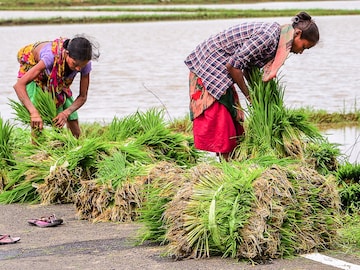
(282, 52)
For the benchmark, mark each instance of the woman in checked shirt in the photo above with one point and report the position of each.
(221, 61)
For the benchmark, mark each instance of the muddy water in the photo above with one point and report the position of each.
(141, 65)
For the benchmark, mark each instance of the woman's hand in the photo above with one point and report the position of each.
(61, 119)
(36, 121)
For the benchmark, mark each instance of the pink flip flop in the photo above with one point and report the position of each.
(44, 222)
(7, 239)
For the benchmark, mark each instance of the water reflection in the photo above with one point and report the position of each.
(349, 142)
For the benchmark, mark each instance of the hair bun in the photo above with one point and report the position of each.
(295, 19)
(302, 16)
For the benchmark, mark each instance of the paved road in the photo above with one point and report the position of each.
(82, 245)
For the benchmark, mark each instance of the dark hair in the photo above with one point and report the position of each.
(80, 48)
(308, 27)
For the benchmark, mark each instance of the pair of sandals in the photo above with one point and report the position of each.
(44, 222)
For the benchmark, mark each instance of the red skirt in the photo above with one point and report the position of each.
(215, 130)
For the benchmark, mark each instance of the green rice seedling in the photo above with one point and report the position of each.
(348, 179)
(119, 198)
(150, 119)
(134, 124)
(21, 113)
(45, 103)
(83, 152)
(196, 224)
(116, 169)
(323, 156)
(315, 215)
(23, 179)
(214, 212)
(167, 145)
(23, 193)
(182, 125)
(271, 128)
(296, 211)
(93, 130)
(349, 173)
(124, 128)
(86, 154)
(350, 196)
(302, 126)
(149, 130)
(135, 154)
(6, 154)
(151, 215)
(350, 233)
(231, 206)
(35, 165)
(163, 181)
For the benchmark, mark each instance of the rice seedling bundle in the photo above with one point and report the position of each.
(5, 143)
(59, 186)
(270, 127)
(148, 129)
(24, 176)
(205, 215)
(49, 171)
(272, 191)
(296, 211)
(323, 156)
(163, 181)
(6, 155)
(350, 233)
(247, 210)
(92, 200)
(348, 178)
(124, 128)
(115, 186)
(128, 200)
(166, 145)
(20, 188)
(3, 178)
(123, 169)
(45, 104)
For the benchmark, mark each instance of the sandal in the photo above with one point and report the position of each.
(7, 239)
(43, 222)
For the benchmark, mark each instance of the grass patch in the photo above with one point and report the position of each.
(156, 14)
(326, 120)
(65, 3)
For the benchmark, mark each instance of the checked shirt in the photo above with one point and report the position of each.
(242, 46)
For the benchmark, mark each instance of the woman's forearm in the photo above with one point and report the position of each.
(238, 77)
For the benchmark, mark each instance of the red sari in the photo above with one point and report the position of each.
(216, 125)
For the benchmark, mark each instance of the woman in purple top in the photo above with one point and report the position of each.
(52, 66)
(222, 60)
